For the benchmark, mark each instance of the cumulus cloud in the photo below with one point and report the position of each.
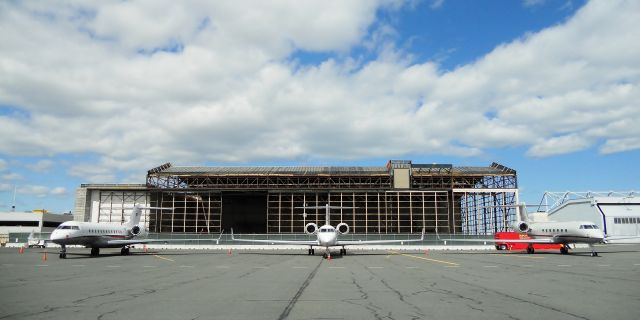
(11, 176)
(220, 82)
(58, 191)
(41, 166)
(38, 191)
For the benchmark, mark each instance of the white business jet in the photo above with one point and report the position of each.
(101, 235)
(562, 233)
(327, 236)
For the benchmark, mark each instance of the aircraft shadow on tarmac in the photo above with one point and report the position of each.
(87, 255)
(79, 255)
(541, 253)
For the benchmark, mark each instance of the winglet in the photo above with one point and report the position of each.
(219, 237)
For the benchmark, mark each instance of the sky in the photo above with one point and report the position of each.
(102, 91)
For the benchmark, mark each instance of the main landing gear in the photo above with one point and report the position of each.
(530, 249)
(564, 249)
(593, 250)
(95, 252)
(63, 252)
(327, 254)
(311, 251)
(124, 251)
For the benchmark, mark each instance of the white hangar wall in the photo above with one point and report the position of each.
(616, 213)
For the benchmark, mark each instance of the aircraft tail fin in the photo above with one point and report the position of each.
(326, 207)
(522, 212)
(135, 216)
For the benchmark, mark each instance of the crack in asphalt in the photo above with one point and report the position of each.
(294, 300)
(518, 299)
(402, 299)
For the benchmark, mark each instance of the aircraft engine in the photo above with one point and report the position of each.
(136, 230)
(520, 226)
(311, 228)
(342, 228)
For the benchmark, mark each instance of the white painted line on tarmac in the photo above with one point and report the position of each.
(298, 267)
(527, 265)
(78, 265)
(222, 267)
(260, 267)
(7, 265)
(564, 265)
(186, 266)
(489, 266)
(149, 267)
(412, 267)
(636, 264)
(42, 265)
(113, 266)
(604, 265)
(336, 267)
(375, 267)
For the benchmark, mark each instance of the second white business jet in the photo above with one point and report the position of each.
(327, 236)
(562, 233)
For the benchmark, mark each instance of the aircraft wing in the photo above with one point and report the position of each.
(358, 242)
(144, 241)
(532, 240)
(138, 241)
(299, 242)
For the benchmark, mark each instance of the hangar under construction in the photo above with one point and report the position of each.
(401, 197)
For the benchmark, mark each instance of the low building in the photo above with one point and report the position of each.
(27, 222)
(616, 213)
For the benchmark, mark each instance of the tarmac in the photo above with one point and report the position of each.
(289, 284)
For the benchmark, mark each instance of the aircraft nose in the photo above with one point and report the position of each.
(598, 234)
(56, 235)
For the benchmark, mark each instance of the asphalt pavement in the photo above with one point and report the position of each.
(289, 284)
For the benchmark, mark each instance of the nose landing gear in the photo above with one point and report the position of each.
(593, 250)
(63, 252)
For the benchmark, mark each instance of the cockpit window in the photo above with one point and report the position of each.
(594, 226)
(69, 227)
(588, 226)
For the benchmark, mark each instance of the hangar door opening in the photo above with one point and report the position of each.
(244, 212)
